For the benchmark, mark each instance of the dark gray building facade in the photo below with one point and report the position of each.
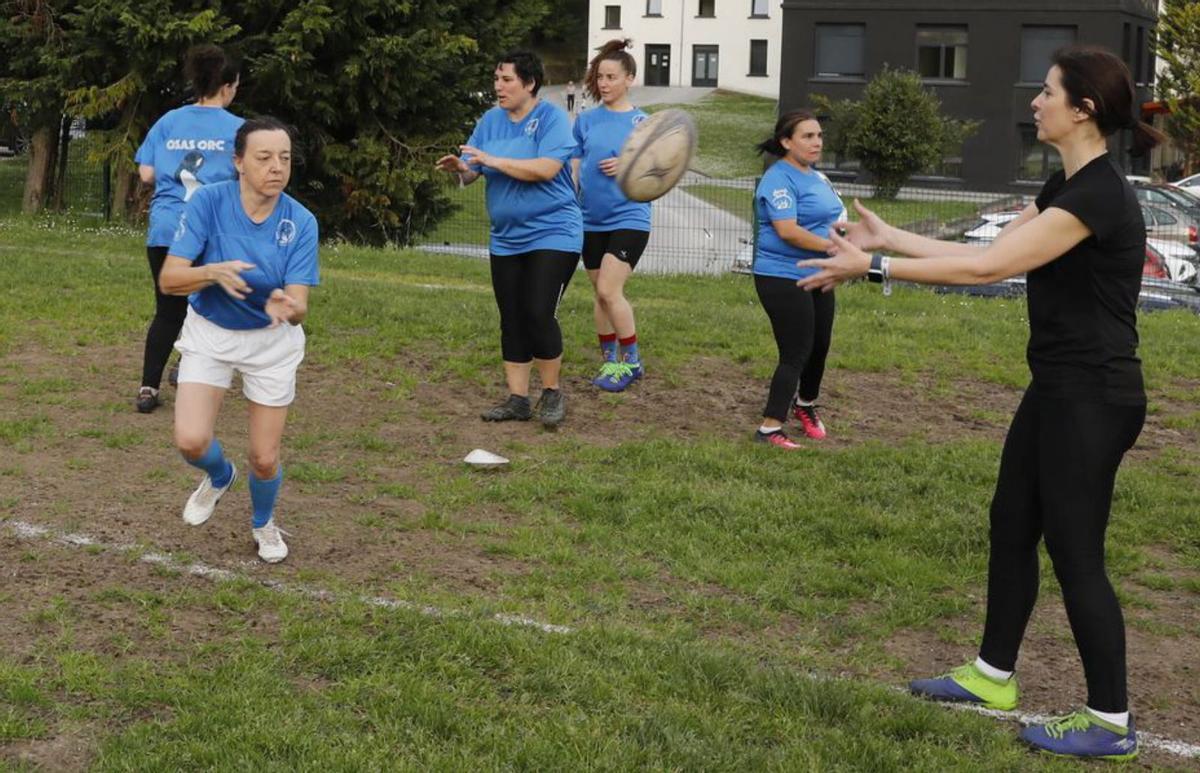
(985, 60)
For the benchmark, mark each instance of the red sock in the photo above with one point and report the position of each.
(628, 341)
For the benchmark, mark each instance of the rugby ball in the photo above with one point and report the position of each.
(656, 154)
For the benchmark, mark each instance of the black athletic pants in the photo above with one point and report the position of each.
(1056, 480)
(169, 312)
(802, 321)
(528, 289)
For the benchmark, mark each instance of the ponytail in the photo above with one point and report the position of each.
(613, 50)
(1145, 138)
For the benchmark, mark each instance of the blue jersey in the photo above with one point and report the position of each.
(188, 147)
(530, 216)
(600, 134)
(786, 193)
(214, 228)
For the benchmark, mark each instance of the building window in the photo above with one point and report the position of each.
(758, 57)
(839, 50)
(1038, 160)
(654, 7)
(1038, 44)
(1139, 60)
(612, 17)
(707, 9)
(942, 52)
(758, 9)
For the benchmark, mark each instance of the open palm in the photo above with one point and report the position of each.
(869, 232)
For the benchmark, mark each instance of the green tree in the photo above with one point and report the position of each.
(377, 89)
(1179, 83)
(34, 42)
(895, 131)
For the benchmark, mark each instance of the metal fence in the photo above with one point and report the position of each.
(80, 185)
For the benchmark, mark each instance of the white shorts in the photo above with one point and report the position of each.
(267, 358)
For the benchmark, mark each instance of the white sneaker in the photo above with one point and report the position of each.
(271, 547)
(203, 501)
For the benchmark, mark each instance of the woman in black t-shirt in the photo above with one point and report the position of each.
(1081, 244)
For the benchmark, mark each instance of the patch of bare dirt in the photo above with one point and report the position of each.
(104, 470)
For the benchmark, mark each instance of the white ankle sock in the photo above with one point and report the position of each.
(806, 403)
(990, 671)
(1121, 719)
(768, 430)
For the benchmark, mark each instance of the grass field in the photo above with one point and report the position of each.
(729, 125)
(731, 608)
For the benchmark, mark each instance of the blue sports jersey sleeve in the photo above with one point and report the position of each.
(302, 260)
(145, 152)
(193, 226)
(554, 138)
(577, 136)
(778, 199)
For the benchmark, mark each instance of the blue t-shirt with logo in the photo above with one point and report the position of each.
(215, 228)
(188, 147)
(787, 193)
(529, 216)
(600, 134)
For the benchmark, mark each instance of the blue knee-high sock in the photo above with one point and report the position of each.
(263, 494)
(214, 463)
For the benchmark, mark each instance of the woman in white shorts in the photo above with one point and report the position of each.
(245, 254)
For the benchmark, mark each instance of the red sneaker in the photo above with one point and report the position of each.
(809, 420)
(777, 439)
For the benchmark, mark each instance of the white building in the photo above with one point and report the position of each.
(731, 44)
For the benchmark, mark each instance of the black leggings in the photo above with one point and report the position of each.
(169, 312)
(802, 321)
(528, 289)
(1056, 481)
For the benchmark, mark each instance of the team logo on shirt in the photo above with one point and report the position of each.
(639, 118)
(285, 233)
(181, 229)
(188, 173)
(531, 128)
(781, 199)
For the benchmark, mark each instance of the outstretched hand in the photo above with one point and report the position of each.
(609, 166)
(846, 262)
(452, 164)
(869, 232)
(280, 307)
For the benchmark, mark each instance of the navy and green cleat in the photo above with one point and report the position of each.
(617, 376)
(1085, 735)
(967, 684)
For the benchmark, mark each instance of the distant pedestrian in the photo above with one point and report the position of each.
(571, 97)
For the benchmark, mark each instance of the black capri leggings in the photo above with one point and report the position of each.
(528, 289)
(1056, 480)
(802, 321)
(169, 312)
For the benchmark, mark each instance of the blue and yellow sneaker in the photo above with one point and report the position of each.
(967, 684)
(1083, 734)
(616, 376)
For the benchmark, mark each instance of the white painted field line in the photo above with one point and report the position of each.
(26, 530)
(33, 531)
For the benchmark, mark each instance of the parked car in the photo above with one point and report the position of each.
(989, 226)
(1166, 195)
(1169, 260)
(1189, 184)
(1165, 222)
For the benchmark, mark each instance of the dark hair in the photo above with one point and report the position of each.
(1097, 74)
(612, 51)
(208, 68)
(264, 123)
(784, 128)
(528, 67)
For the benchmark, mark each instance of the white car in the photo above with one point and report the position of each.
(1190, 184)
(989, 227)
(1178, 259)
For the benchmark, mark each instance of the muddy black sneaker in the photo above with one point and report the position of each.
(173, 376)
(515, 408)
(552, 407)
(147, 400)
